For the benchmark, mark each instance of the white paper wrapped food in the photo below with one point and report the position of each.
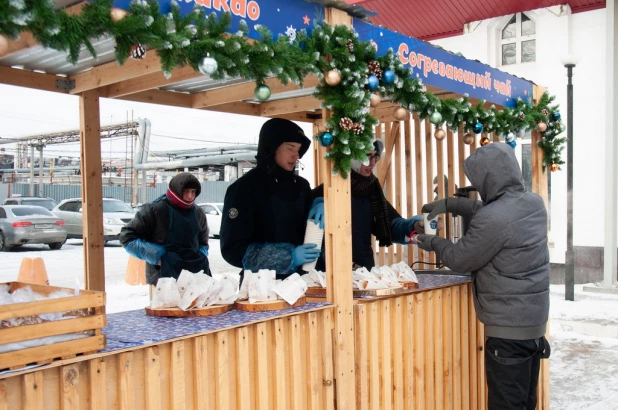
(207, 283)
(386, 276)
(315, 279)
(228, 291)
(313, 234)
(166, 294)
(185, 279)
(406, 274)
(261, 287)
(243, 292)
(291, 288)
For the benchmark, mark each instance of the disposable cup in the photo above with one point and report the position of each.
(313, 234)
(430, 225)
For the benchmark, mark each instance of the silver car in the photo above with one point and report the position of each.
(22, 224)
(116, 214)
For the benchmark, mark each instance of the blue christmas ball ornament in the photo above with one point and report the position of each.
(373, 82)
(513, 143)
(477, 128)
(555, 116)
(388, 76)
(326, 139)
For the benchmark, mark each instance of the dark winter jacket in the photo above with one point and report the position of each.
(265, 211)
(152, 236)
(505, 247)
(363, 227)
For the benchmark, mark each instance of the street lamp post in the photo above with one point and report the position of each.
(569, 281)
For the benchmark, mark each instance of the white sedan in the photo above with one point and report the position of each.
(213, 213)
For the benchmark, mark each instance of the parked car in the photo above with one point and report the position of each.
(115, 215)
(213, 213)
(46, 203)
(22, 224)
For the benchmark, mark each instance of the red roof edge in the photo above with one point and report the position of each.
(589, 7)
(448, 34)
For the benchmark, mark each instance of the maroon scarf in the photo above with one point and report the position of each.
(179, 202)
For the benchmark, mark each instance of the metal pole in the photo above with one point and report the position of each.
(32, 170)
(40, 171)
(569, 280)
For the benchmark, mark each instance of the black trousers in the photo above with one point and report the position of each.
(512, 369)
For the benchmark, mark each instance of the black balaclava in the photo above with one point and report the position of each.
(275, 132)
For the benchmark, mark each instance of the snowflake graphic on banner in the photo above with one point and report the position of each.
(291, 33)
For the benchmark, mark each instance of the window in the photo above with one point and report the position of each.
(31, 210)
(116, 206)
(518, 43)
(10, 202)
(208, 209)
(45, 203)
(2, 213)
(72, 206)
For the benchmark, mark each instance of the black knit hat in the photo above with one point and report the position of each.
(275, 132)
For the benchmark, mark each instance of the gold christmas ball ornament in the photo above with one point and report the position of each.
(375, 100)
(400, 113)
(118, 14)
(484, 140)
(332, 78)
(554, 167)
(541, 126)
(440, 134)
(468, 138)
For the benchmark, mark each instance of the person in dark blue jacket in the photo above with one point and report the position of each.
(170, 233)
(265, 211)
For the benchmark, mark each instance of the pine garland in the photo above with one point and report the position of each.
(186, 40)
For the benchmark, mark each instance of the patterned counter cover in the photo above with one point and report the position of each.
(135, 328)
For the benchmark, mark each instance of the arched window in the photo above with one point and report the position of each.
(518, 42)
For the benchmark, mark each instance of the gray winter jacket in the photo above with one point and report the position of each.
(505, 247)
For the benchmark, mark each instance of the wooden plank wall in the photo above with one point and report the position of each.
(420, 352)
(285, 364)
(412, 159)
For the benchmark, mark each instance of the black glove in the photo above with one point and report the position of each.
(424, 242)
(435, 208)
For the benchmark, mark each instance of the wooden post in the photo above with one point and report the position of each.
(338, 265)
(92, 190)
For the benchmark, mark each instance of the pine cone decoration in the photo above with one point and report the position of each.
(522, 117)
(358, 128)
(346, 124)
(350, 44)
(138, 52)
(545, 112)
(374, 68)
(423, 90)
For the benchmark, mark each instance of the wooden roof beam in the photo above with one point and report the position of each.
(160, 97)
(32, 79)
(148, 82)
(244, 91)
(289, 106)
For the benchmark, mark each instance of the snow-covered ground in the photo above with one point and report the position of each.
(584, 333)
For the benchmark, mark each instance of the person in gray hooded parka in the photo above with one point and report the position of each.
(505, 250)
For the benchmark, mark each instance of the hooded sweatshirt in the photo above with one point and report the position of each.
(505, 247)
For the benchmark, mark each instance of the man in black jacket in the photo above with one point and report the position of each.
(170, 233)
(265, 211)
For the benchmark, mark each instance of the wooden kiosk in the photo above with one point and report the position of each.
(420, 350)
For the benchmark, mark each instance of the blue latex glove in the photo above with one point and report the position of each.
(147, 251)
(305, 253)
(204, 250)
(317, 212)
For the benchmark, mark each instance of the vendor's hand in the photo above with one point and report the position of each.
(305, 253)
(419, 226)
(435, 208)
(159, 262)
(424, 242)
(317, 212)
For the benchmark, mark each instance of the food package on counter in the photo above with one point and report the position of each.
(166, 294)
(386, 275)
(291, 288)
(227, 294)
(214, 293)
(315, 279)
(185, 279)
(371, 284)
(405, 272)
(261, 287)
(208, 283)
(243, 293)
(192, 293)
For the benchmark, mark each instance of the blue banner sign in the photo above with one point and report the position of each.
(279, 16)
(447, 71)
